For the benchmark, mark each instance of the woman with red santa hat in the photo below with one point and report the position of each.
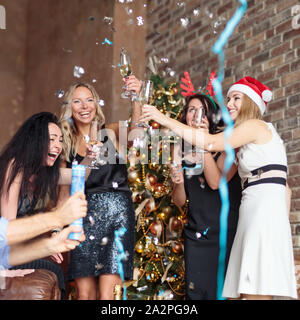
(261, 264)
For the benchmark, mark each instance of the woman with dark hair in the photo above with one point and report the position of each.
(200, 187)
(29, 175)
(32, 152)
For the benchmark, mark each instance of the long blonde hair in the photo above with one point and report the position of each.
(248, 110)
(68, 126)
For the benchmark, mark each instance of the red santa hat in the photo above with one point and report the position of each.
(255, 90)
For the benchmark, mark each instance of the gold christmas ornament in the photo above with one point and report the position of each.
(139, 248)
(162, 216)
(133, 176)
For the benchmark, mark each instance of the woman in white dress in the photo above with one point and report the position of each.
(261, 264)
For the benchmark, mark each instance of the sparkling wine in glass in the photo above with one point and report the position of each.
(125, 70)
(93, 140)
(145, 98)
(197, 120)
(198, 117)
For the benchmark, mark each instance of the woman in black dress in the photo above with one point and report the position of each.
(94, 264)
(200, 187)
(29, 176)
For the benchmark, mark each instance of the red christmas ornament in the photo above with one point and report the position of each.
(155, 125)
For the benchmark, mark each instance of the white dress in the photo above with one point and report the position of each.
(261, 260)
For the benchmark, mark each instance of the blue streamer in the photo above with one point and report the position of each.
(122, 255)
(223, 187)
(199, 165)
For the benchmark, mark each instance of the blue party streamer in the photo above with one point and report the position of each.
(122, 255)
(223, 187)
(199, 165)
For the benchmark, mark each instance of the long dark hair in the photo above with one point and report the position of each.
(26, 153)
(212, 112)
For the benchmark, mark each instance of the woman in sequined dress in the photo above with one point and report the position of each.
(200, 186)
(93, 265)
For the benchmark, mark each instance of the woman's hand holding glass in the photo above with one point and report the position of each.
(151, 113)
(176, 173)
(94, 145)
(200, 120)
(133, 84)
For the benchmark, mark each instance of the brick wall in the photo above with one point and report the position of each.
(264, 45)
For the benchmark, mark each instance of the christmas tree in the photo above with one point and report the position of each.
(159, 263)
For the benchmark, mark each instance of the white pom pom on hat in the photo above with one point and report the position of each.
(255, 90)
(266, 95)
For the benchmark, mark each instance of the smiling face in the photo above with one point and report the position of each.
(83, 106)
(192, 111)
(234, 103)
(55, 144)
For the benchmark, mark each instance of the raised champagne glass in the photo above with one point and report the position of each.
(93, 139)
(145, 98)
(126, 70)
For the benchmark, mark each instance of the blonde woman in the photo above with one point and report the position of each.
(93, 265)
(261, 263)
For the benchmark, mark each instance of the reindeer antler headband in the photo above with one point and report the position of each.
(189, 89)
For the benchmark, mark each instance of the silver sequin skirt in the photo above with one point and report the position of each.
(97, 255)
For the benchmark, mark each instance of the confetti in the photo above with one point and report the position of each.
(180, 4)
(108, 20)
(101, 103)
(196, 12)
(170, 72)
(104, 241)
(78, 71)
(92, 237)
(217, 24)
(92, 221)
(99, 266)
(184, 22)
(142, 288)
(192, 286)
(67, 50)
(107, 41)
(140, 20)
(115, 185)
(209, 14)
(165, 60)
(60, 93)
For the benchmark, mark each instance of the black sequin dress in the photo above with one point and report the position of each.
(109, 209)
(201, 234)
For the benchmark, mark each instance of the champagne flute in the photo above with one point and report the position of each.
(126, 70)
(198, 117)
(93, 141)
(145, 98)
(197, 120)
